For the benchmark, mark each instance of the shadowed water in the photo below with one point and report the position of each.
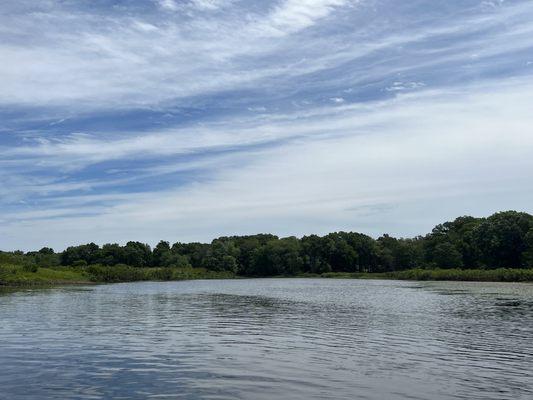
(269, 339)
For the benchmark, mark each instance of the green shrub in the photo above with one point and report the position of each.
(12, 258)
(493, 275)
(30, 268)
(161, 274)
(116, 273)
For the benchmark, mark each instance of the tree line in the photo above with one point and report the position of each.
(503, 240)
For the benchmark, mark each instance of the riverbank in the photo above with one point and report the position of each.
(19, 276)
(479, 275)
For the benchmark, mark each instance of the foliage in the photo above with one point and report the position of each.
(125, 273)
(503, 240)
(17, 275)
(494, 275)
(30, 268)
(117, 273)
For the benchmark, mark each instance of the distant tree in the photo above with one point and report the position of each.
(399, 254)
(445, 255)
(138, 254)
(196, 253)
(46, 250)
(47, 258)
(339, 254)
(112, 254)
(528, 253)
(162, 254)
(222, 255)
(460, 234)
(246, 246)
(501, 239)
(277, 257)
(90, 253)
(504, 239)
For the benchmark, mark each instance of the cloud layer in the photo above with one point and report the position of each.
(186, 120)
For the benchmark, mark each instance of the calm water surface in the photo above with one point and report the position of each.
(269, 339)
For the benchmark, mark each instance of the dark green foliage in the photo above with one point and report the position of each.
(90, 253)
(222, 255)
(503, 240)
(138, 254)
(162, 254)
(162, 274)
(277, 257)
(117, 273)
(13, 258)
(528, 254)
(112, 254)
(195, 253)
(46, 257)
(479, 275)
(445, 255)
(30, 268)
(399, 254)
(457, 237)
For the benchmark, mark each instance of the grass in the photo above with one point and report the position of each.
(124, 273)
(479, 275)
(22, 276)
(16, 275)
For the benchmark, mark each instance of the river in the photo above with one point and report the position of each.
(269, 339)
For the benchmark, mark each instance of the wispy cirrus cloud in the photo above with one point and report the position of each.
(206, 117)
(407, 152)
(83, 60)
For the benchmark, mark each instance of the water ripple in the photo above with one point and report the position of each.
(270, 338)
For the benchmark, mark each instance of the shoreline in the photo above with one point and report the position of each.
(16, 277)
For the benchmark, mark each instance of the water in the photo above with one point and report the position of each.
(269, 339)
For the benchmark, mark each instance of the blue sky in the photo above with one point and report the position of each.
(190, 119)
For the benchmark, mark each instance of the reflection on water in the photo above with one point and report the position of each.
(269, 338)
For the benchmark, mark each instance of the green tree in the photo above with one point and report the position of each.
(399, 254)
(222, 255)
(90, 253)
(162, 254)
(138, 254)
(501, 239)
(112, 254)
(445, 255)
(196, 253)
(277, 257)
(528, 253)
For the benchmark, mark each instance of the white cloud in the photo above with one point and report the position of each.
(294, 15)
(451, 148)
(280, 163)
(399, 86)
(211, 4)
(169, 5)
(82, 61)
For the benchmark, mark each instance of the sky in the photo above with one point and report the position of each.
(185, 120)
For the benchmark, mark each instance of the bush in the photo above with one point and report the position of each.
(12, 258)
(30, 268)
(161, 274)
(494, 275)
(116, 273)
(4, 273)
